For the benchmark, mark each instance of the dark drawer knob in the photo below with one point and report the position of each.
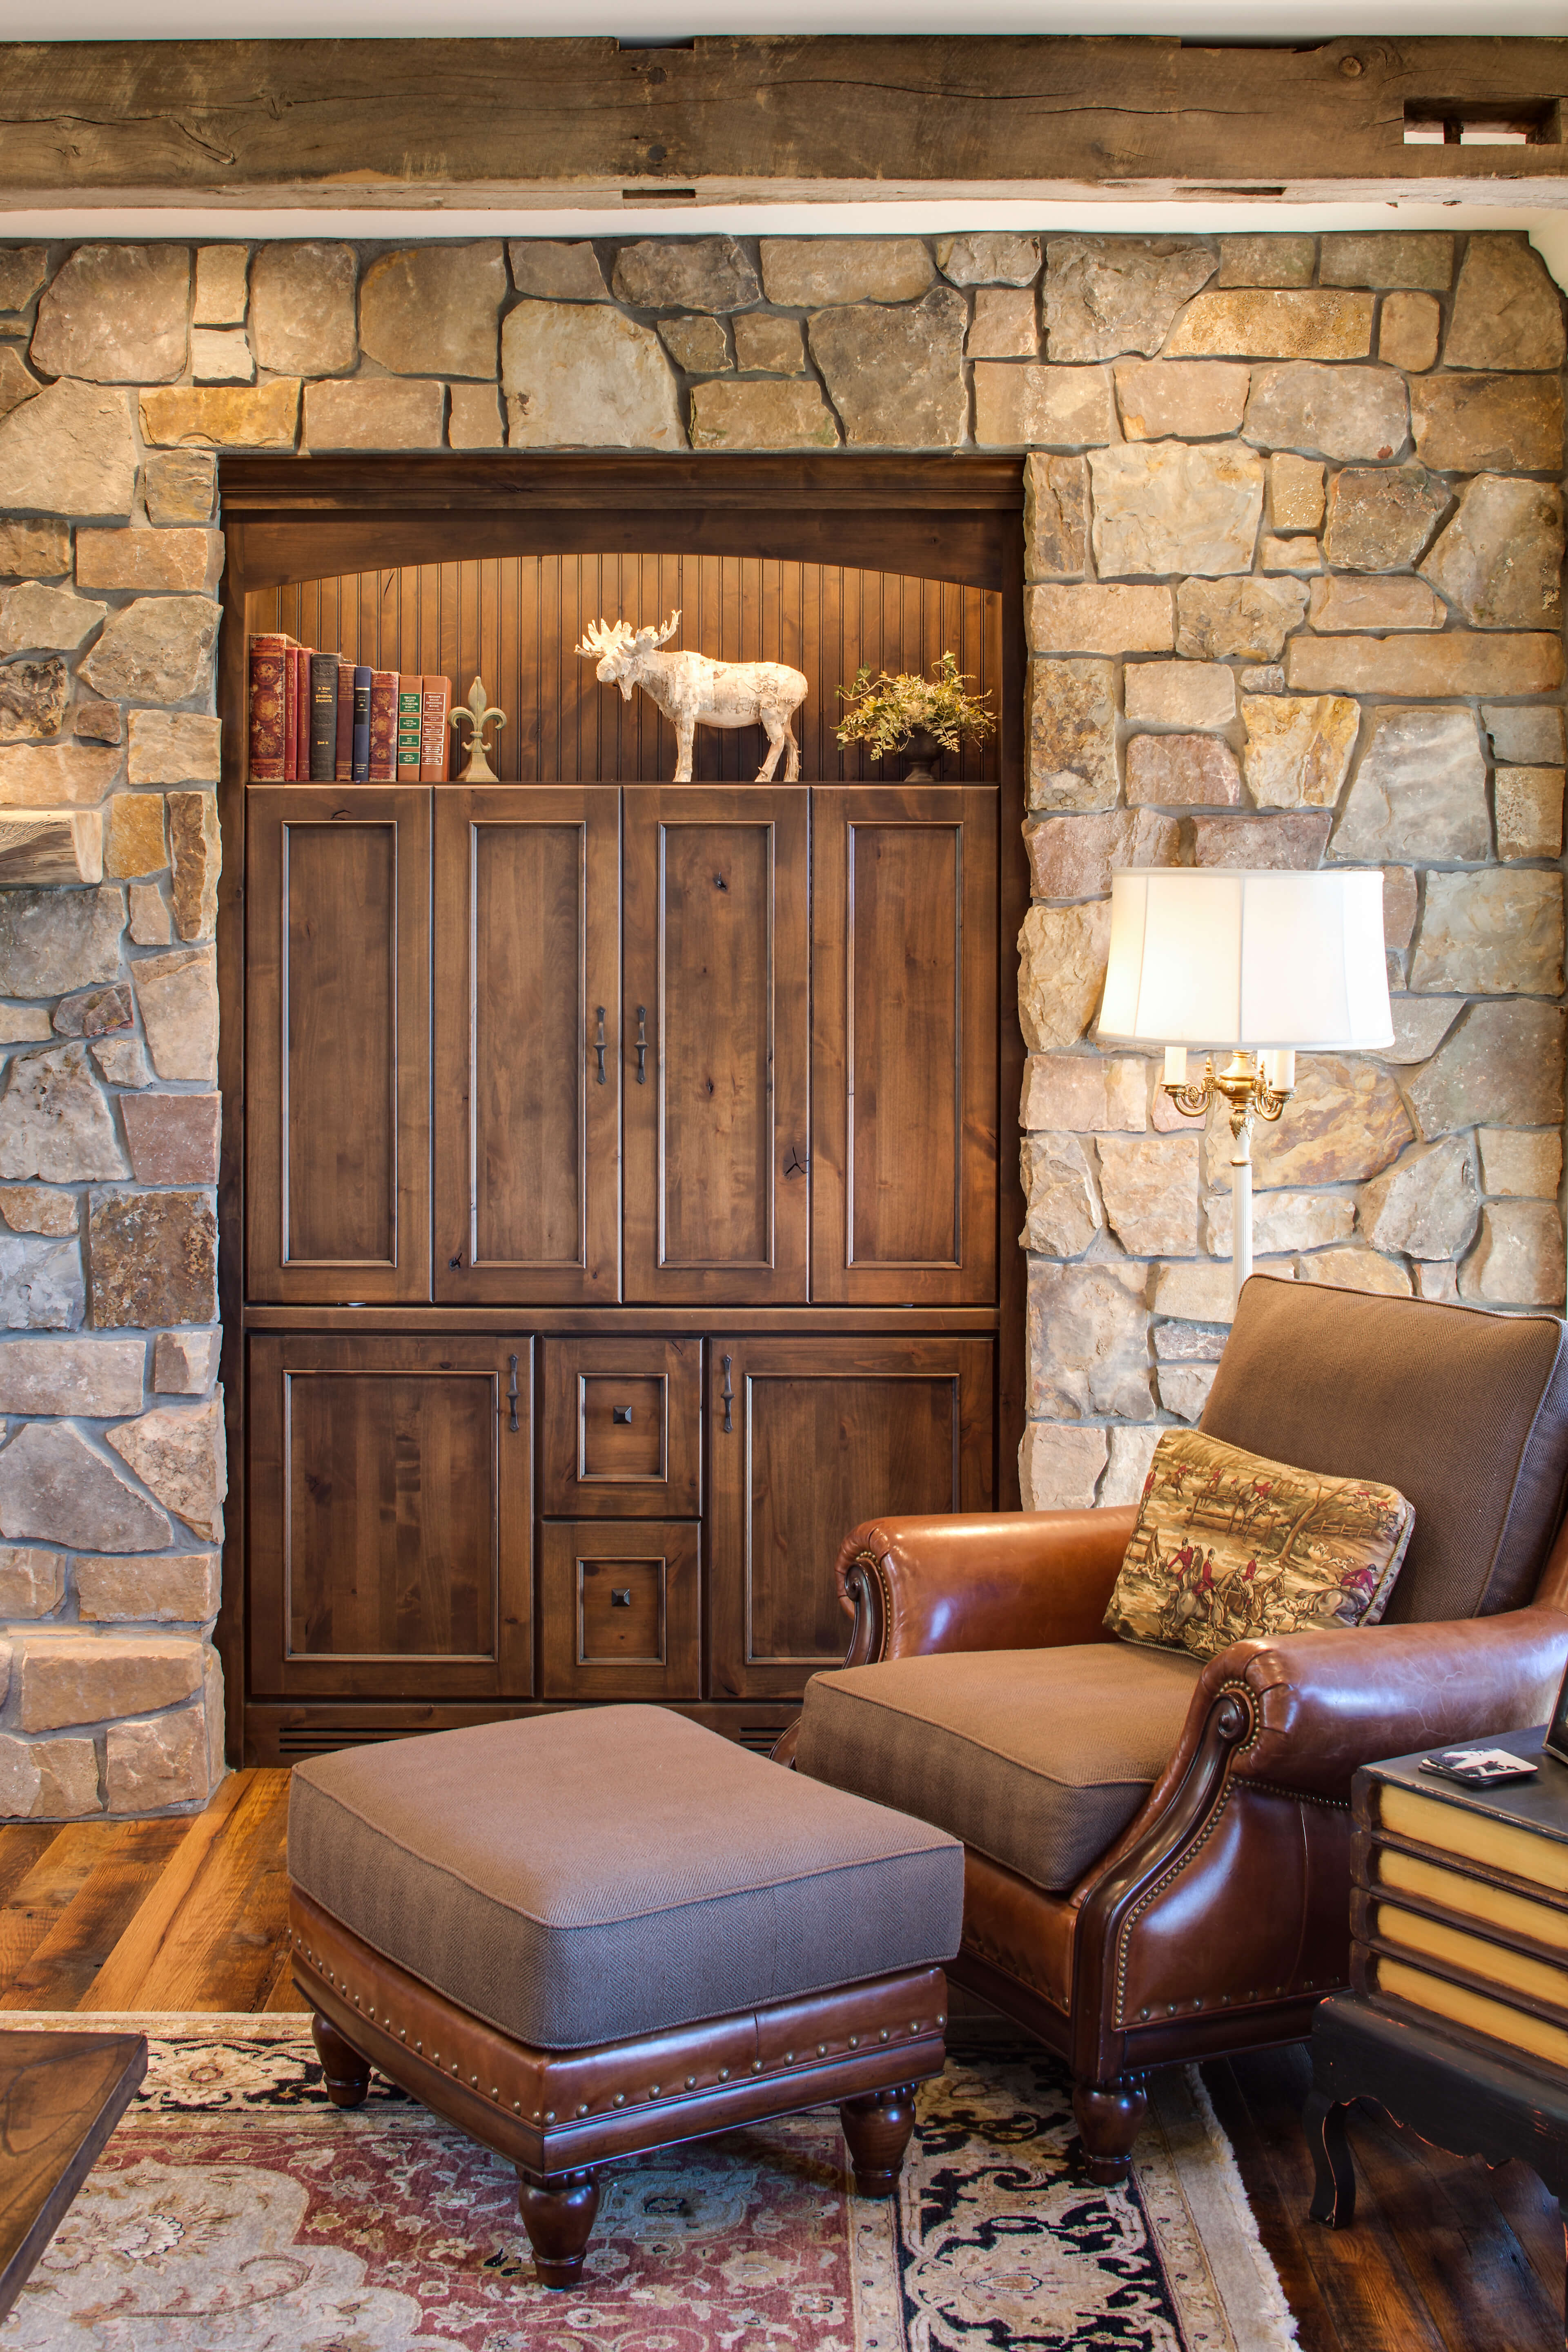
(621, 1597)
(621, 1412)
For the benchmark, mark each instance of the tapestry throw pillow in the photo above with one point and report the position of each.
(1228, 1546)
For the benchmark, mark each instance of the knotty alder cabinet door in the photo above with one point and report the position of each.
(807, 1438)
(715, 1028)
(391, 1516)
(338, 1045)
(528, 1067)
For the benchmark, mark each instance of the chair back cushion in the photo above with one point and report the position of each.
(1466, 1413)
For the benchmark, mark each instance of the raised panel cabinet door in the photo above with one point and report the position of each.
(904, 1046)
(528, 1077)
(808, 1438)
(621, 1608)
(716, 1044)
(338, 1045)
(391, 1517)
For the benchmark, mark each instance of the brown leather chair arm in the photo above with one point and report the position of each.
(996, 1580)
(1323, 1703)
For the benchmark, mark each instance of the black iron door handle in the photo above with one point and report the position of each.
(599, 1045)
(642, 1045)
(728, 1396)
(511, 1393)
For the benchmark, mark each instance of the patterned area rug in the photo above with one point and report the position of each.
(235, 2211)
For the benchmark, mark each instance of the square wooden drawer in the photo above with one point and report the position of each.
(622, 1609)
(621, 1423)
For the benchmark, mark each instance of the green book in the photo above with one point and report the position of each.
(410, 710)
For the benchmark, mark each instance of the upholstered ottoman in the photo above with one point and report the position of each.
(589, 1934)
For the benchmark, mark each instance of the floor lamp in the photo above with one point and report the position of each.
(1260, 965)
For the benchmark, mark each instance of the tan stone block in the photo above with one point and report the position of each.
(222, 417)
(1270, 325)
(1092, 619)
(780, 413)
(1284, 844)
(1456, 661)
(474, 417)
(17, 384)
(71, 1678)
(1072, 735)
(51, 941)
(1379, 516)
(148, 1767)
(36, 551)
(1437, 1278)
(33, 618)
(221, 355)
(1495, 933)
(175, 747)
(1062, 1212)
(157, 649)
(1283, 1221)
(1104, 296)
(1149, 1184)
(1179, 694)
(115, 314)
(1127, 1472)
(1487, 424)
(154, 1260)
(559, 272)
(1199, 1290)
(23, 269)
(373, 412)
(151, 923)
(1529, 811)
(174, 1588)
(1190, 399)
(23, 1025)
(32, 1582)
(1499, 559)
(222, 288)
(135, 835)
(179, 486)
(184, 1364)
(433, 310)
(1249, 618)
(1267, 260)
(1340, 606)
(188, 560)
(99, 1378)
(1399, 907)
(1289, 554)
(1059, 1463)
(49, 775)
(1056, 518)
(1181, 771)
(179, 1454)
(1088, 1341)
(1020, 403)
(196, 852)
(1166, 507)
(1517, 1261)
(1084, 1093)
(1061, 971)
(1385, 257)
(47, 1780)
(1420, 1023)
(36, 1209)
(302, 308)
(1344, 1122)
(1295, 492)
(694, 273)
(1507, 312)
(775, 346)
(895, 375)
(1344, 413)
(1075, 857)
(56, 1488)
(171, 1138)
(1004, 326)
(1408, 330)
(1502, 1065)
(1420, 790)
(989, 258)
(697, 345)
(578, 375)
(177, 995)
(803, 273)
(93, 1012)
(1532, 735)
(68, 450)
(1356, 1269)
(54, 1120)
(98, 722)
(1522, 1163)
(1425, 1205)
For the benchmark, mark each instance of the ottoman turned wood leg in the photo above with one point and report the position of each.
(558, 2215)
(878, 2128)
(347, 2073)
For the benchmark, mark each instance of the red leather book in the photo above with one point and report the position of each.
(344, 771)
(408, 716)
(303, 655)
(383, 727)
(291, 712)
(269, 659)
(434, 736)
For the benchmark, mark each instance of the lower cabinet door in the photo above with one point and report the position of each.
(808, 1437)
(622, 1611)
(391, 1517)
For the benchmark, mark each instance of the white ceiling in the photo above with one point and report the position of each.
(1281, 21)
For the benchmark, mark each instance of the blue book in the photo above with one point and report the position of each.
(362, 727)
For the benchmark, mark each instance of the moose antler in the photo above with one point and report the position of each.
(654, 635)
(602, 637)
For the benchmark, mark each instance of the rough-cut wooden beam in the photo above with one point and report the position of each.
(470, 123)
(51, 846)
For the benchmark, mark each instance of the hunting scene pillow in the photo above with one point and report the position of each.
(1228, 1546)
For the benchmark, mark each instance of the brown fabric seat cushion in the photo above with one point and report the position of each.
(580, 1878)
(1038, 1758)
(1467, 1413)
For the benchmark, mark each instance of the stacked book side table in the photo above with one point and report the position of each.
(1458, 2018)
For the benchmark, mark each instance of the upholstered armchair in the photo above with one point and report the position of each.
(1157, 1863)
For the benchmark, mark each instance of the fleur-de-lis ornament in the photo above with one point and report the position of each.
(478, 713)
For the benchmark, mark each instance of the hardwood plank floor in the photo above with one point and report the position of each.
(190, 1915)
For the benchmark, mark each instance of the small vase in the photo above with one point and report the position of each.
(923, 754)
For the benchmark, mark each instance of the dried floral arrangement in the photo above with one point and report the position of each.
(885, 713)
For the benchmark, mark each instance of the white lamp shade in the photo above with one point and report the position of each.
(1229, 957)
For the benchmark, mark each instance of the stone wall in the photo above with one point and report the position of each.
(1294, 551)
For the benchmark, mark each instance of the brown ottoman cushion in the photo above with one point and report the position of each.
(580, 1878)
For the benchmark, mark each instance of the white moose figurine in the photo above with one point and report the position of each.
(693, 691)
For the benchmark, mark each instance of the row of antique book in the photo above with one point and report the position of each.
(316, 718)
